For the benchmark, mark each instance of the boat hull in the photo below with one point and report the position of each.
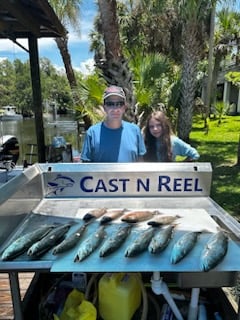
(11, 118)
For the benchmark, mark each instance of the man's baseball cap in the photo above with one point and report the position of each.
(114, 91)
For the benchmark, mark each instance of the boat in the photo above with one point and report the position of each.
(9, 113)
(9, 149)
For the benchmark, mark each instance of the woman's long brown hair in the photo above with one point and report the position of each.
(165, 139)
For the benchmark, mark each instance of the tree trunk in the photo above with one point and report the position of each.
(62, 44)
(188, 81)
(216, 68)
(114, 66)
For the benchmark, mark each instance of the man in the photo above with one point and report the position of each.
(113, 140)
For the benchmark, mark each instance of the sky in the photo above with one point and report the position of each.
(82, 58)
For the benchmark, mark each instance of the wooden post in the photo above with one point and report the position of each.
(37, 97)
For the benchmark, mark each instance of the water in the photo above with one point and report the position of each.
(25, 132)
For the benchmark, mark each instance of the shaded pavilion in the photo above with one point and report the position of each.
(31, 19)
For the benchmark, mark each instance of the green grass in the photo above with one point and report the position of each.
(219, 146)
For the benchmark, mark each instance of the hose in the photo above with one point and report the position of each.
(155, 304)
(92, 280)
(144, 299)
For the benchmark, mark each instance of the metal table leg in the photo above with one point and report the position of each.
(16, 296)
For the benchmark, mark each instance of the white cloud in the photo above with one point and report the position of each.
(8, 45)
(86, 67)
(78, 44)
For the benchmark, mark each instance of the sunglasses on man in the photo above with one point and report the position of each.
(114, 104)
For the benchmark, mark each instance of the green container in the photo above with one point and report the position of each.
(119, 295)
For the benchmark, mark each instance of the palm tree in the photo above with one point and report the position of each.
(234, 78)
(68, 13)
(112, 62)
(227, 36)
(153, 82)
(193, 15)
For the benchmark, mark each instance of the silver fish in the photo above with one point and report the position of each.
(214, 251)
(161, 239)
(159, 220)
(70, 241)
(115, 240)
(90, 244)
(24, 242)
(111, 215)
(138, 216)
(183, 246)
(94, 214)
(140, 243)
(47, 242)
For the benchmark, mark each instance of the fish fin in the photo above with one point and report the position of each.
(204, 230)
(88, 216)
(130, 220)
(105, 219)
(154, 224)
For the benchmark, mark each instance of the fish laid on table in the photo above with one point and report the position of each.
(94, 214)
(115, 240)
(159, 220)
(112, 215)
(183, 246)
(138, 216)
(70, 241)
(214, 251)
(90, 244)
(21, 244)
(49, 241)
(161, 239)
(140, 243)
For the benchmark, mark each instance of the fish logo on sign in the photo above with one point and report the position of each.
(59, 184)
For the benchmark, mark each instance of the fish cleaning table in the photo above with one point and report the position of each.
(64, 193)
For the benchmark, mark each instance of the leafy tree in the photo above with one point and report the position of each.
(227, 37)
(90, 91)
(7, 82)
(234, 78)
(55, 87)
(23, 89)
(154, 78)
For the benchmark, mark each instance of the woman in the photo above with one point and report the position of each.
(161, 144)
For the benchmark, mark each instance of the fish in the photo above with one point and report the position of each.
(159, 220)
(214, 251)
(47, 242)
(161, 239)
(138, 216)
(115, 240)
(90, 244)
(94, 214)
(70, 241)
(183, 246)
(111, 215)
(24, 242)
(140, 243)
